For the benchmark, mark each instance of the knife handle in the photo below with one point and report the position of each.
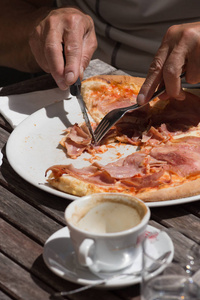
(75, 89)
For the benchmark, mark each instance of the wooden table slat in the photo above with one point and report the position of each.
(35, 262)
(30, 216)
(50, 204)
(3, 296)
(27, 218)
(21, 284)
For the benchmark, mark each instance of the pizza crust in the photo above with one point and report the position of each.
(186, 189)
(74, 186)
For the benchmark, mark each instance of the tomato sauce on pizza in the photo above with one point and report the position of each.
(167, 133)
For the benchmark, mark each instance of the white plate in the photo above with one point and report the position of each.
(34, 146)
(59, 257)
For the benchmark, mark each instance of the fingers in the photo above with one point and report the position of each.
(172, 73)
(179, 51)
(192, 37)
(79, 46)
(73, 29)
(53, 54)
(89, 46)
(175, 62)
(154, 76)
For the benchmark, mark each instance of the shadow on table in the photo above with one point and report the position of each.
(51, 283)
(29, 192)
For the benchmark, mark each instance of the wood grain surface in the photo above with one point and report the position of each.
(29, 216)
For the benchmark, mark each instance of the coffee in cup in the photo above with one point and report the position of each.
(104, 218)
(107, 230)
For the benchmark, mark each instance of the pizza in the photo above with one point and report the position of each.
(166, 134)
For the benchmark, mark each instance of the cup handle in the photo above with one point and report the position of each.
(84, 250)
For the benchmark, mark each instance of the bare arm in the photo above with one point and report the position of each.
(17, 21)
(32, 33)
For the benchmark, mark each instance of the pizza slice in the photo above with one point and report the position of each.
(167, 163)
(168, 171)
(104, 93)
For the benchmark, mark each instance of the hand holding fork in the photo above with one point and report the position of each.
(116, 114)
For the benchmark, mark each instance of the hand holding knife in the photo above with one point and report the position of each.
(75, 90)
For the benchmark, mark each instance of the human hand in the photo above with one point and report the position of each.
(65, 29)
(179, 51)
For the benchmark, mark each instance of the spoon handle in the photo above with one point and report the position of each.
(152, 268)
(81, 289)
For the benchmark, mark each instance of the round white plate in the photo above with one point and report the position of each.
(33, 147)
(59, 257)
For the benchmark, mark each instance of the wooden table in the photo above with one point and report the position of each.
(30, 216)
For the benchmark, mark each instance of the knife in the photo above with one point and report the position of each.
(75, 90)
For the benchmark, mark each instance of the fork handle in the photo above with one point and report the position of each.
(155, 94)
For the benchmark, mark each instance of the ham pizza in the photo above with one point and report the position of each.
(166, 134)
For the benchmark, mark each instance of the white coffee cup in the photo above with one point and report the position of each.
(107, 230)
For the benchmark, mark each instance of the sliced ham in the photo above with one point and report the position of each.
(73, 149)
(179, 115)
(138, 183)
(79, 134)
(77, 140)
(154, 137)
(128, 171)
(92, 174)
(129, 166)
(142, 169)
(176, 117)
(183, 157)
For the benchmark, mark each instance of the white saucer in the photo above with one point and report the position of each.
(59, 257)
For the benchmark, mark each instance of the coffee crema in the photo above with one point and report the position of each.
(109, 217)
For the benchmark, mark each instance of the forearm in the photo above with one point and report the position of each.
(32, 35)
(17, 20)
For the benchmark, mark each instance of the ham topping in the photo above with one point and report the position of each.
(182, 158)
(77, 140)
(122, 171)
(92, 174)
(179, 115)
(176, 117)
(153, 137)
(140, 169)
(138, 183)
(129, 166)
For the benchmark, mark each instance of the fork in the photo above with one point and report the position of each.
(116, 114)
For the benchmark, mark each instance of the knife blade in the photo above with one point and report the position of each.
(75, 90)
